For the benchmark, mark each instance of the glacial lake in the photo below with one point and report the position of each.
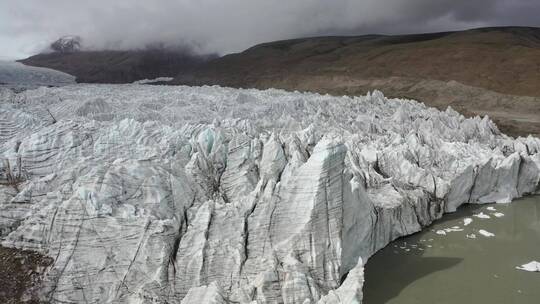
(439, 266)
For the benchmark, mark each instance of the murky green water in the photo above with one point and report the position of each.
(455, 268)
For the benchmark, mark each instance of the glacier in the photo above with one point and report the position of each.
(19, 77)
(174, 194)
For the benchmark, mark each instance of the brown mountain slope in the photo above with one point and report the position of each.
(117, 66)
(503, 63)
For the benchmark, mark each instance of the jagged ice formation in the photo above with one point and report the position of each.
(160, 194)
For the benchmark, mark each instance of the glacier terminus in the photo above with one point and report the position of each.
(176, 194)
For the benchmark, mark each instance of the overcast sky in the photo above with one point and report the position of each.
(224, 26)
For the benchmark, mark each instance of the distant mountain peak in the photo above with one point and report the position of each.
(67, 44)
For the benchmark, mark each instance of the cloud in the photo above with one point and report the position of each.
(226, 26)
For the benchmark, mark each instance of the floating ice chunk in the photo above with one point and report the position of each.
(482, 215)
(485, 233)
(440, 232)
(533, 266)
(467, 221)
(498, 214)
(453, 229)
(471, 236)
(491, 209)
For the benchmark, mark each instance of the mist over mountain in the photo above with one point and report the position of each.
(223, 27)
(66, 44)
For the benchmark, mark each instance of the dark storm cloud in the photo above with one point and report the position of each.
(232, 25)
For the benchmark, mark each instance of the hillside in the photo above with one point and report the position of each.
(117, 66)
(505, 60)
(480, 71)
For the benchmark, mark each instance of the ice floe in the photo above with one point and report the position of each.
(481, 215)
(486, 233)
(533, 266)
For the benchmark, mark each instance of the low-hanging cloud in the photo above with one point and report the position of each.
(225, 26)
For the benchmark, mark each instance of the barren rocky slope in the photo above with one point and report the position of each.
(147, 194)
(20, 275)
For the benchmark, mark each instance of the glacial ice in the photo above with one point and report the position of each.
(19, 76)
(150, 81)
(153, 194)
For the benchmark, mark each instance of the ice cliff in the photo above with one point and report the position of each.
(153, 194)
